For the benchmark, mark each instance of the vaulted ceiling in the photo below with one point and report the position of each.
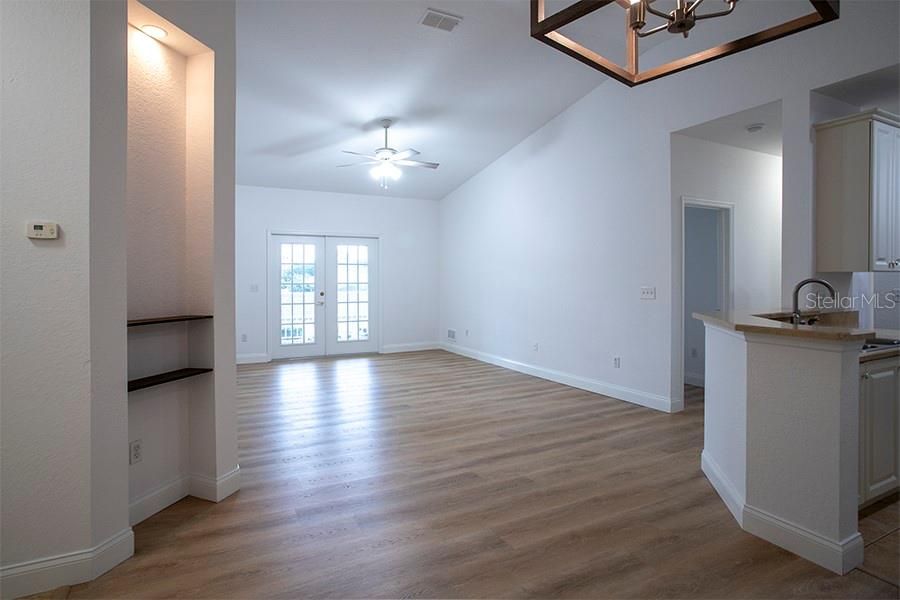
(314, 78)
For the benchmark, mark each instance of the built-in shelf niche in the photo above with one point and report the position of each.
(180, 345)
(169, 201)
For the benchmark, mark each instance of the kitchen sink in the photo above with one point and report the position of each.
(824, 319)
(880, 344)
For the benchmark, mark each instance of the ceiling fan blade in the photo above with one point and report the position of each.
(360, 164)
(416, 163)
(359, 154)
(403, 155)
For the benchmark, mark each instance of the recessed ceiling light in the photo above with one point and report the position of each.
(754, 127)
(154, 31)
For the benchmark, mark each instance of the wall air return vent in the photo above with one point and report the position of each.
(440, 20)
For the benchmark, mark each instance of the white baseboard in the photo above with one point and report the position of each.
(695, 379)
(612, 390)
(44, 574)
(216, 489)
(723, 486)
(838, 556)
(114, 550)
(77, 567)
(413, 347)
(249, 359)
(158, 499)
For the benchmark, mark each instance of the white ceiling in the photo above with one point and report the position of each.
(878, 89)
(731, 130)
(314, 77)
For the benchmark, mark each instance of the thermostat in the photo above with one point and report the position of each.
(42, 231)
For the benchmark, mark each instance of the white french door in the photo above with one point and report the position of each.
(351, 323)
(322, 295)
(296, 296)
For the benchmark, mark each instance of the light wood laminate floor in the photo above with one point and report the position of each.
(432, 475)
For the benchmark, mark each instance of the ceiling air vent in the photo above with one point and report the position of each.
(440, 20)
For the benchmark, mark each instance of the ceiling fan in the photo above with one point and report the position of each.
(388, 160)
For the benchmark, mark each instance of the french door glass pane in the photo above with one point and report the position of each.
(353, 292)
(298, 311)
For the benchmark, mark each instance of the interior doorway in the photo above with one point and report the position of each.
(732, 164)
(323, 295)
(707, 276)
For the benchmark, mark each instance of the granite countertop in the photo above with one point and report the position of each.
(754, 323)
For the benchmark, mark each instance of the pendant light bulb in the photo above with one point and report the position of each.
(385, 171)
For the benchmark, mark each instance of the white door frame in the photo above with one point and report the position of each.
(269, 283)
(726, 212)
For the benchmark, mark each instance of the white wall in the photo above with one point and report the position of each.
(63, 506)
(559, 234)
(408, 230)
(63, 406)
(32, 317)
(158, 264)
(109, 415)
(887, 312)
(157, 125)
(702, 283)
(213, 413)
(751, 181)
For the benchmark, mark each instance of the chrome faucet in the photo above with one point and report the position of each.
(795, 309)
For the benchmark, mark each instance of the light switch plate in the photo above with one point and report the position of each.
(41, 230)
(648, 293)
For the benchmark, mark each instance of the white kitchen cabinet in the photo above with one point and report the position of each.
(879, 429)
(858, 193)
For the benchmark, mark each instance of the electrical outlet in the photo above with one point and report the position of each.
(451, 334)
(254, 288)
(648, 293)
(243, 337)
(617, 362)
(135, 452)
(535, 347)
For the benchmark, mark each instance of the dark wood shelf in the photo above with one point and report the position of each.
(170, 319)
(161, 378)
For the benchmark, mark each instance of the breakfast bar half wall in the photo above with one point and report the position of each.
(781, 432)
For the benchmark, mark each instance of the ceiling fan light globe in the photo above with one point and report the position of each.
(385, 171)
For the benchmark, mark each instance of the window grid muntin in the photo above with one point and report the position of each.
(352, 293)
(298, 294)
